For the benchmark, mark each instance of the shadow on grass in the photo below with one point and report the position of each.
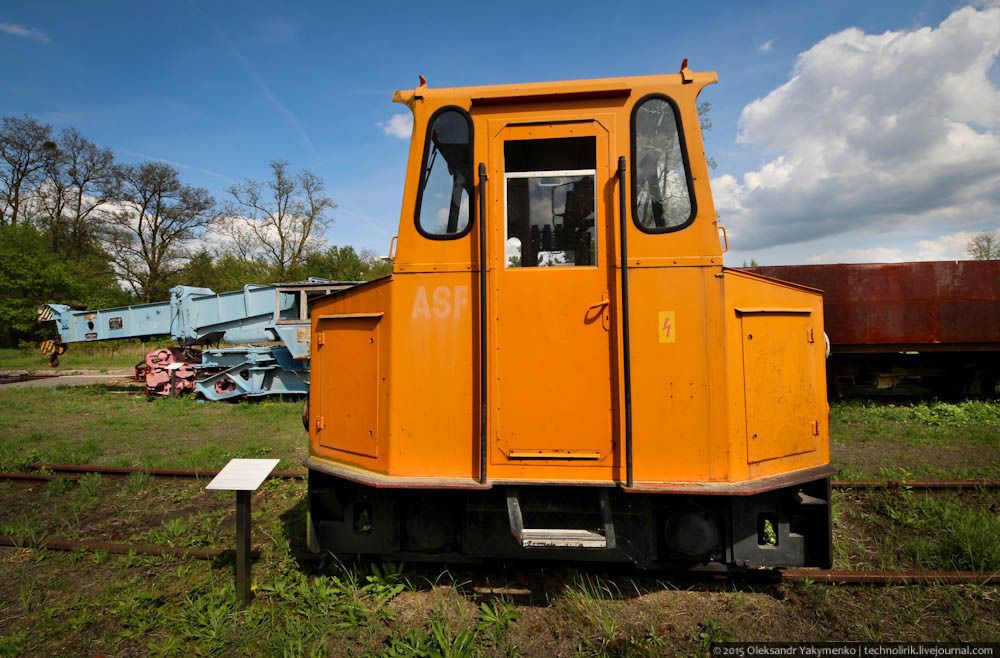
(528, 582)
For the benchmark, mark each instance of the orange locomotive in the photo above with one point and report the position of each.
(559, 364)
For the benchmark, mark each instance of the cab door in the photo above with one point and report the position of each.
(551, 280)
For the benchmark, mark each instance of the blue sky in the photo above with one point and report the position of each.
(220, 89)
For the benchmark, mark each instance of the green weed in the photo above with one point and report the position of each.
(709, 633)
(15, 644)
(91, 486)
(433, 642)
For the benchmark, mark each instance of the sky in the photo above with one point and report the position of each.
(850, 131)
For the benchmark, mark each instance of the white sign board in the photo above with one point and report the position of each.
(243, 474)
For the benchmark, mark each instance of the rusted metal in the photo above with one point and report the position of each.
(110, 547)
(35, 476)
(922, 306)
(42, 472)
(930, 485)
(14, 379)
(745, 488)
(846, 577)
(155, 472)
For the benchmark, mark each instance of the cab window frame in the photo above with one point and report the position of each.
(422, 180)
(684, 158)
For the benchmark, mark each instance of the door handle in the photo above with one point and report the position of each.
(604, 306)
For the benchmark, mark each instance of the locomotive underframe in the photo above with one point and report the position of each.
(787, 526)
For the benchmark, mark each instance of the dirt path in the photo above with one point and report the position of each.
(112, 377)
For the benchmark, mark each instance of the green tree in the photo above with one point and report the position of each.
(30, 275)
(79, 179)
(157, 220)
(221, 273)
(344, 264)
(26, 147)
(280, 220)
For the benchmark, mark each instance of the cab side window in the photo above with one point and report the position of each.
(446, 176)
(661, 188)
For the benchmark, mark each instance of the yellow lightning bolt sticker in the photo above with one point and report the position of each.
(667, 327)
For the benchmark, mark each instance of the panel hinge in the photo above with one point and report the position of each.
(320, 423)
(320, 339)
(815, 428)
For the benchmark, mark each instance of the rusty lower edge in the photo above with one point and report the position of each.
(747, 488)
(108, 547)
(157, 472)
(844, 577)
(380, 481)
(744, 488)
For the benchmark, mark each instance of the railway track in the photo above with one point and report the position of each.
(46, 472)
(53, 471)
(819, 576)
(25, 377)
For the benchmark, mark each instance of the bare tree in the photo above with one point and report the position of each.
(984, 246)
(280, 220)
(705, 122)
(26, 147)
(157, 218)
(79, 180)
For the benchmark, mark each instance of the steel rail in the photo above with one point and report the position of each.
(155, 550)
(889, 578)
(154, 472)
(819, 576)
(53, 471)
(956, 485)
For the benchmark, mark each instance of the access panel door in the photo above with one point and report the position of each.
(344, 405)
(553, 389)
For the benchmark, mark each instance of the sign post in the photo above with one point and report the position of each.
(242, 476)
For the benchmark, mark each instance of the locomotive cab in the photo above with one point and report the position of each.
(559, 364)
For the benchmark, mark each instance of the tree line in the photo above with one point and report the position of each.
(78, 226)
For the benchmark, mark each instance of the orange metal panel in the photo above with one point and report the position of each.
(672, 390)
(347, 416)
(555, 344)
(434, 380)
(551, 345)
(782, 407)
(761, 390)
(344, 391)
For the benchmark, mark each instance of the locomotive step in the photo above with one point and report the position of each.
(561, 537)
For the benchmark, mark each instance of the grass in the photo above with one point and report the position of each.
(908, 530)
(105, 355)
(89, 424)
(917, 440)
(132, 605)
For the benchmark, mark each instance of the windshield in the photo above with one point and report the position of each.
(446, 183)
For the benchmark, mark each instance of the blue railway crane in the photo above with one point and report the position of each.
(268, 324)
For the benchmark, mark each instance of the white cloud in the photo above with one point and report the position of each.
(399, 125)
(766, 46)
(953, 246)
(24, 32)
(871, 134)
(860, 255)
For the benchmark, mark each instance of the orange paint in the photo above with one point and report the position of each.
(395, 371)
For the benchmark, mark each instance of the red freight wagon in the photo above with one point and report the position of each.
(908, 328)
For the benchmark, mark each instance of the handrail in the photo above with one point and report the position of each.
(483, 409)
(626, 353)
